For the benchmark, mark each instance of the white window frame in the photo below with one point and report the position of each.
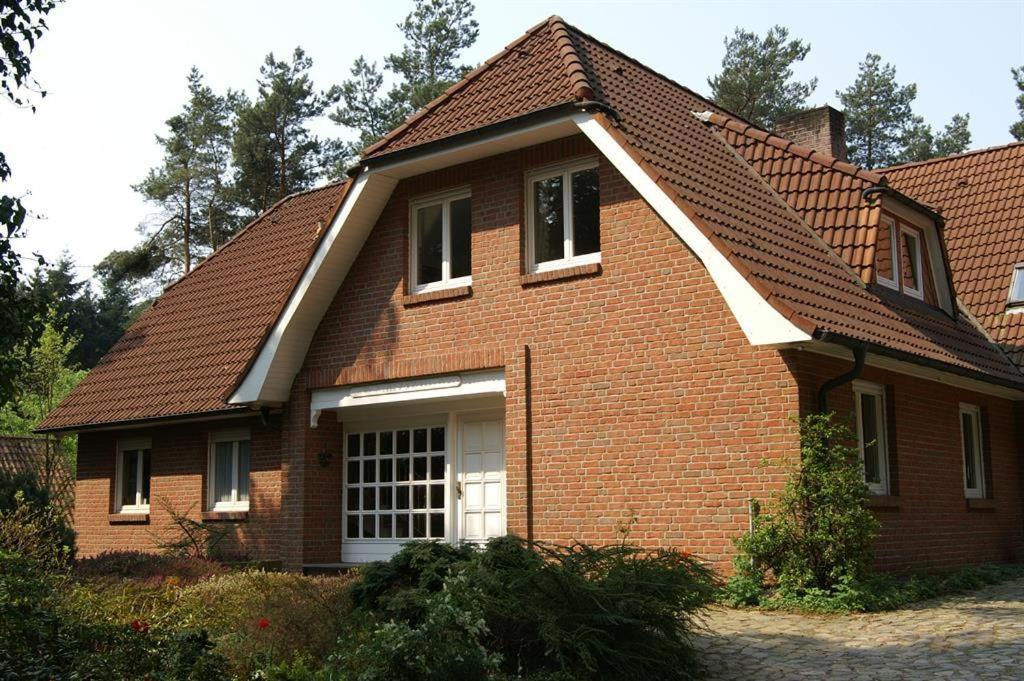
(974, 411)
(1018, 272)
(447, 281)
(564, 171)
(894, 255)
(877, 391)
(918, 260)
(235, 436)
(132, 445)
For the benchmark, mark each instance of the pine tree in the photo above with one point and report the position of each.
(756, 81)
(274, 151)
(188, 185)
(1017, 129)
(881, 127)
(436, 32)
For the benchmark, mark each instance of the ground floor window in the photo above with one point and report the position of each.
(871, 435)
(229, 471)
(395, 483)
(133, 473)
(974, 466)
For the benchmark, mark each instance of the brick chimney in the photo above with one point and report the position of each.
(822, 129)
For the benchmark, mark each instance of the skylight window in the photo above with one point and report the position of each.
(1017, 286)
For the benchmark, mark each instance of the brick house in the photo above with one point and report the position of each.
(569, 295)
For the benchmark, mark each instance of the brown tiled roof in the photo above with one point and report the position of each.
(186, 352)
(826, 192)
(981, 197)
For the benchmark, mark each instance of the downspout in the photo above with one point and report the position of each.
(859, 354)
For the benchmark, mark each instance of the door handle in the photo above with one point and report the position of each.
(458, 490)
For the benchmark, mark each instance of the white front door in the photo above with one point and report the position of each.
(481, 484)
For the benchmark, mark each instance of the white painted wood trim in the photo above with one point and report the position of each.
(762, 323)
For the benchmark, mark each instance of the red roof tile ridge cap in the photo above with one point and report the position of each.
(639, 64)
(429, 107)
(763, 288)
(244, 371)
(953, 157)
(578, 80)
(793, 213)
(252, 223)
(779, 142)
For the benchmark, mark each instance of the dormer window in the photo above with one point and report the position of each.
(910, 263)
(900, 260)
(1017, 286)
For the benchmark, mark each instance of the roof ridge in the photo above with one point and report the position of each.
(429, 107)
(578, 80)
(252, 223)
(800, 150)
(950, 157)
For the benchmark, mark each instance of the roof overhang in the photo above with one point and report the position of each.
(270, 376)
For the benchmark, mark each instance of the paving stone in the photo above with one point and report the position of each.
(979, 635)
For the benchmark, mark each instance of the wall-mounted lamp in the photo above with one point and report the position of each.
(324, 458)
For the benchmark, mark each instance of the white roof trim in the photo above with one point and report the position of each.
(430, 388)
(762, 323)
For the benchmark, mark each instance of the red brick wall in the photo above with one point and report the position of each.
(932, 527)
(630, 393)
(178, 475)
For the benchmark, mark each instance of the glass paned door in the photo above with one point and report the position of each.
(481, 488)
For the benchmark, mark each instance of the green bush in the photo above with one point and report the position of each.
(30, 522)
(154, 568)
(817, 535)
(518, 608)
(40, 638)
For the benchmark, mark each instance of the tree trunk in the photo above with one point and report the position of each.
(186, 230)
(282, 159)
(209, 224)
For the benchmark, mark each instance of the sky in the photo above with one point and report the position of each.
(115, 71)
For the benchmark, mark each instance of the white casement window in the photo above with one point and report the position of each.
(974, 466)
(563, 216)
(395, 484)
(133, 463)
(1017, 286)
(440, 242)
(894, 257)
(871, 435)
(911, 263)
(228, 488)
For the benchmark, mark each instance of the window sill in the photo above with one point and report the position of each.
(225, 516)
(129, 518)
(882, 501)
(982, 504)
(589, 270)
(434, 296)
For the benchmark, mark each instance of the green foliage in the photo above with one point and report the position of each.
(576, 612)
(817, 534)
(881, 127)
(186, 537)
(22, 24)
(152, 568)
(1017, 129)
(273, 149)
(436, 32)
(41, 639)
(33, 528)
(756, 81)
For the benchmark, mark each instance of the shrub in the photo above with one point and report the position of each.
(41, 639)
(27, 504)
(575, 612)
(153, 568)
(189, 538)
(36, 532)
(257, 618)
(817, 535)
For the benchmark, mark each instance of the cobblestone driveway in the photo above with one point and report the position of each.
(974, 636)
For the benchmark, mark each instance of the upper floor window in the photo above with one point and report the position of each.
(974, 467)
(563, 217)
(900, 261)
(440, 250)
(229, 471)
(910, 263)
(871, 435)
(1017, 286)
(133, 470)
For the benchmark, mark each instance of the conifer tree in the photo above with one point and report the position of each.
(1017, 129)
